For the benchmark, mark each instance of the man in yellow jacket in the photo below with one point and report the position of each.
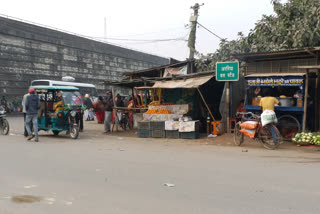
(268, 102)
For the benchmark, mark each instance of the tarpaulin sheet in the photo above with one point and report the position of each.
(182, 83)
(176, 71)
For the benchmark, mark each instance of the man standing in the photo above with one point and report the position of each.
(32, 107)
(108, 104)
(268, 102)
(24, 99)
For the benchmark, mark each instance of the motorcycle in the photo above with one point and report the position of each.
(4, 124)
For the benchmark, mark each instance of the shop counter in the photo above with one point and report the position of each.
(276, 108)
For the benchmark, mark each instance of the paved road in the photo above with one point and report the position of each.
(108, 174)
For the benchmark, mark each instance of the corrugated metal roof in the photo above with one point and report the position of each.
(275, 53)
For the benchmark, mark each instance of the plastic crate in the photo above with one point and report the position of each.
(172, 134)
(157, 125)
(158, 133)
(144, 125)
(144, 133)
(189, 135)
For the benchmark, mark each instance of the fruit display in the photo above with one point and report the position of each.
(305, 138)
(160, 111)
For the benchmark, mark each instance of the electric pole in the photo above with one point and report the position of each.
(105, 29)
(192, 35)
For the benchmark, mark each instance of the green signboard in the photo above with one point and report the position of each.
(227, 71)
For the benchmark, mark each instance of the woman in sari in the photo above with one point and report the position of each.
(99, 107)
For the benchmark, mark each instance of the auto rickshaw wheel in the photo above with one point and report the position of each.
(55, 132)
(74, 132)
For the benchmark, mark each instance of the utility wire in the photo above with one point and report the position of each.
(154, 32)
(146, 40)
(210, 31)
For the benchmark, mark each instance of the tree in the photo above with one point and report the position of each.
(295, 24)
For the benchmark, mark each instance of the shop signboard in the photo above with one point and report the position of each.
(275, 81)
(227, 71)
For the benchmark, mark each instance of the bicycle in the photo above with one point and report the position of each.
(125, 121)
(268, 135)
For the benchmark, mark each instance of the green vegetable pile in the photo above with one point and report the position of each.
(304, 138)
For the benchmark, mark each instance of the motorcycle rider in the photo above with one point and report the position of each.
(4, 102)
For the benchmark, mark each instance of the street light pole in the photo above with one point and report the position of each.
(192, 35)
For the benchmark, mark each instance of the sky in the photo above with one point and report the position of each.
(128, 22)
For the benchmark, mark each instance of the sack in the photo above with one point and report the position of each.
(267, 117)
(248, 132)
(249, 125)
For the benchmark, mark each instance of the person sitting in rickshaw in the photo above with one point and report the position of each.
(58, 105)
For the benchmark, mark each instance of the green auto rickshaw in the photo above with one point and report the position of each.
(60, 109)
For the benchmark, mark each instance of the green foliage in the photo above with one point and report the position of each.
(295, 24)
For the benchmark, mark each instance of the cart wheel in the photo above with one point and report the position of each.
(238, 137)
(269, 136)
(289, 122)
(4, 127)
(55, 132)
(74, 132)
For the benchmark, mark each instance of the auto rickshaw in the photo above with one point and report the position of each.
(60, 108)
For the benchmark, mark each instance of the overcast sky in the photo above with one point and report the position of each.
(144, 20)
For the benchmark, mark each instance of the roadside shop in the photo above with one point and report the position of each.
(182, 107)
(284, 75)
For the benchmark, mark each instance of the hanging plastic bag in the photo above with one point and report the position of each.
(267, 117)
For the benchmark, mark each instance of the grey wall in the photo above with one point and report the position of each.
(29, 52)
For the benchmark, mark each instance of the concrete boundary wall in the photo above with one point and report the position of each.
(29, 52)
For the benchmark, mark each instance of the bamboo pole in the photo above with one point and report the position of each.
(317, 102)
(305, 103)
(205, 103)
(159, 95)
(228, 106)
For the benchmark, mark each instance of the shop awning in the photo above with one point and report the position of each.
(194, 82)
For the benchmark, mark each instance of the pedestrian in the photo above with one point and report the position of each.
(89, 106)
(108, 105)
(268, 101)
(79, 117)
(91, 115)
(24, 99)
(15, 104)
(99, 108)
(119, 103)
(4, 101)
(32, 107)
(126, 101)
